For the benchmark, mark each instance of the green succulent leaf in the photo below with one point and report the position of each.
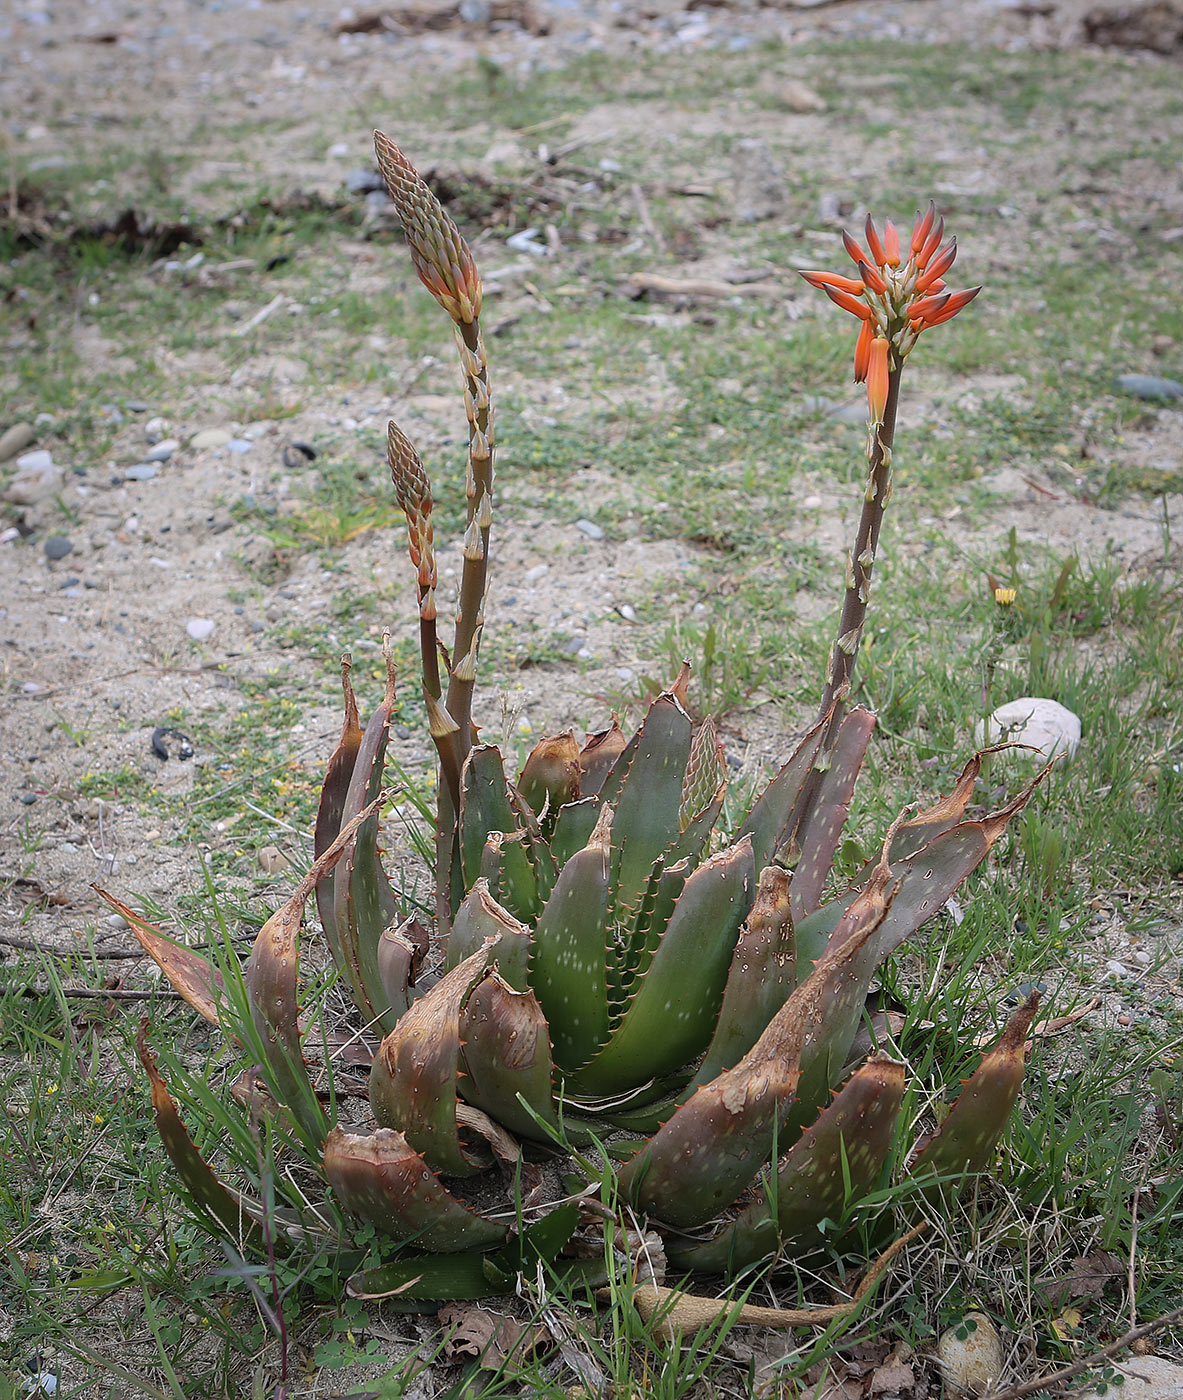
(599, 758)
(330, 814)
(569, 970)
(479, 919)
(676, 1004)
(507, 1057)
(645, 820)
(486, 807)
(772, 821)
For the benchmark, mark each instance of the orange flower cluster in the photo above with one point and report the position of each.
(896, 299)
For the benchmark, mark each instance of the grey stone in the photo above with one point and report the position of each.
(1049, 727)
(162, 451)
(1146, 386)
(210, 437)
(38, 461)
(590, 529)
(142, 471)
(362, 181)
(200, 628)
(57, 547)
(239, 445)
(15, 439)
(35, 483)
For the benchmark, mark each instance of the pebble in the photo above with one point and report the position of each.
(1116, 969)
(39, 461)
(142, 471)
(163, 450)
(200, 628)
(156, 429)
(362, 181)
(970, 1355)
(628, 612)
(1146, 386)
(811, 502)
(35, 483)
(239, 445)
(590, 529)
(574, 645)
(272, 860)
(28, 798)
(210, 437)
(15, 439)
(136, 406)
(534, 574)
(115, 921)
(57, 547)
(1045, 724)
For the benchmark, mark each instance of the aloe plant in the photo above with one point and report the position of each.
(608, 975)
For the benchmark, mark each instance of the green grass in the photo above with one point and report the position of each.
(95, 1242)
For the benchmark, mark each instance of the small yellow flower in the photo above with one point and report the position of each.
(1004, 597)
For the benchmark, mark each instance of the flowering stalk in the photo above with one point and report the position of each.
(896, 300)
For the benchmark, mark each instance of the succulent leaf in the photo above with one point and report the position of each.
(762, 976)
(507, 1056)
(363, 902)
(401, 951)
(702, 1158)
(821, 829)
(773, 819)
(413, 1077)
(330, 814)
(966, 1139)
(195, 977)
(675, 1005)
(835, 1161)
(479, 919)
(573, 828)
(598, 758)
(207, 1193)
(646, 811)
(485, 807)
(550, 776)
(568, 969)
(380, 1177)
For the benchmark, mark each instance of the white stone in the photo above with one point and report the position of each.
(162, 451)
(200, 628)
(1146, 1378)
(38, 461)
(1046, 725)
(210, 437)
(970, 1355)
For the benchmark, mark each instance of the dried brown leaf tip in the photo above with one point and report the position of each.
(441, 256)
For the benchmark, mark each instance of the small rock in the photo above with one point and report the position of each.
(239, 445)
(1146, 386)
(1046, 725)
(1116, 969)
(574, 645)
(15, 439)
(590, 529)
(38, 461)
(171, 743)
(811, 502)
(970, 1355)
(115, 921)
(136, 406)
(162, 451)
(34, 483)
(210, 437)
(363, 180)
(534, 574)
(298, 454)
(796, 96)
(142, 471)
(200, 628)
(526, 241)
(156, 429)
(272, 860)
(57, 547)
(628, 612)
(1145, 1378)
(28, 798)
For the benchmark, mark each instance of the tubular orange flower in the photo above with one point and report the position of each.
(931, 244)
(849, 303)
(923, 309)
(956, 301)
(853, 249)
(862, 351)
(891, 243)
(822, 280)
(921, 228)
(872, 277)
(877, 253)
(938, 267)
(877, 374)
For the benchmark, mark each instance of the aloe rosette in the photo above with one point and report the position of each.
(608, 975)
